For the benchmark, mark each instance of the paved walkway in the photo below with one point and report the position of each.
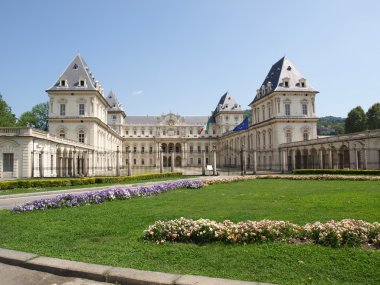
(15, 275)
(100, 273)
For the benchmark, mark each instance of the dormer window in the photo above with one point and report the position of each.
(82, 83)
(63, 83)
(285, 82)
(302, 82)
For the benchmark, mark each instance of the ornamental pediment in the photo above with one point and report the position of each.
(170, 120)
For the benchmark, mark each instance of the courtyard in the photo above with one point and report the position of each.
(112, 233)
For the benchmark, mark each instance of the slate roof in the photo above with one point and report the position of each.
(113, 102)
(156, 120)
(76, 71)
(283, 68)
(227, 103)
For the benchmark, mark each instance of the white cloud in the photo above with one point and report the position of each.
(138, 93)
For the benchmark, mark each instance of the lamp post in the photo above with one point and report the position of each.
(129, 161)
(214, 162)
(117, 161)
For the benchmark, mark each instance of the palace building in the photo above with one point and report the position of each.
(91, 134)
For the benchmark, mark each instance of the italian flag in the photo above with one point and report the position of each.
(204, 128)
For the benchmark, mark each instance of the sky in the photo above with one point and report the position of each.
(182, 56)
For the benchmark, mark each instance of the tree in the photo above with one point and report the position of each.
(356, 121)
(36, 118)
(7, 118)
(373, 117)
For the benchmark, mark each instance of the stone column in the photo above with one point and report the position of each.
(365, 161)
(80, 165)
(161, 160)
(32, 174)
(74, 162)
(283, 162)
(85, 164)
(41, 162)
(203, 162)
(172, 161)
(243, 161)
(254, 162)
(320, 159)
(356, 158)
(60, 166)
(294, 159)
(214, 164)
(329, 152)
(129, 162)
(117, 161)
(66, 167)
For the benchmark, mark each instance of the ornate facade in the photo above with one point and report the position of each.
(90, 133)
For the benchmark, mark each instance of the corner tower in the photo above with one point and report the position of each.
(283, 110)
(78, 110)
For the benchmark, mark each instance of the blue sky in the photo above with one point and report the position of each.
(181, 56)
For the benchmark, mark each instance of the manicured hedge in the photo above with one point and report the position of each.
(336, 171)
(59, 182)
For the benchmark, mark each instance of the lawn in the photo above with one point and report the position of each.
(111, 233)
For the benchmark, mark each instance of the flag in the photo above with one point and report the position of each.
(204, 128)
(242, 126)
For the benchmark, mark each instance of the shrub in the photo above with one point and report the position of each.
(59, 182)
(337, 171)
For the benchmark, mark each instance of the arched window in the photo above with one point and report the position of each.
(62, 133)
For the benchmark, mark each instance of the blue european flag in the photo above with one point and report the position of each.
(242, 126)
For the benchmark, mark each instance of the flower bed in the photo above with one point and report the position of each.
(101, 196)
(346, 232)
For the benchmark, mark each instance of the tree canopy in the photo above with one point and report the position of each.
(356, 121)
(373, 117)
(36, 118)
(7, 118)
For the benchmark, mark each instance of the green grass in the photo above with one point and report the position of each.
(111, 233)
(45, 189)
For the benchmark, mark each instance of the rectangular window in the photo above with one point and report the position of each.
(62, 109)
(134, 132)
(304, 109)
(191, 131)
(191, 149)
(142, 162)
(8, 159)
(151, 132)
(142, 132)
(288, 137)
(287, 109)
(63, 82)
(134, 161)
(113, 118)
(177, 132)
(81, 109)
(199, 148)
(150, 149)
(81, 137)
(142, 149)
(305, 136)
(263, 114)
(207, 148)
(134, 149)
(81, 83)
(286, 84)
(126, 132)
(191, 161)
(206, 160)
(199, 161)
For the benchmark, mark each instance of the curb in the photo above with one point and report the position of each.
(104, 273)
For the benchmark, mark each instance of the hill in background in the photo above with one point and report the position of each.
(330, 125)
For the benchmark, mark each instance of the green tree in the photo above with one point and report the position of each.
(356, 121)
(7, 118)
(36, 118)
(373, 117)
